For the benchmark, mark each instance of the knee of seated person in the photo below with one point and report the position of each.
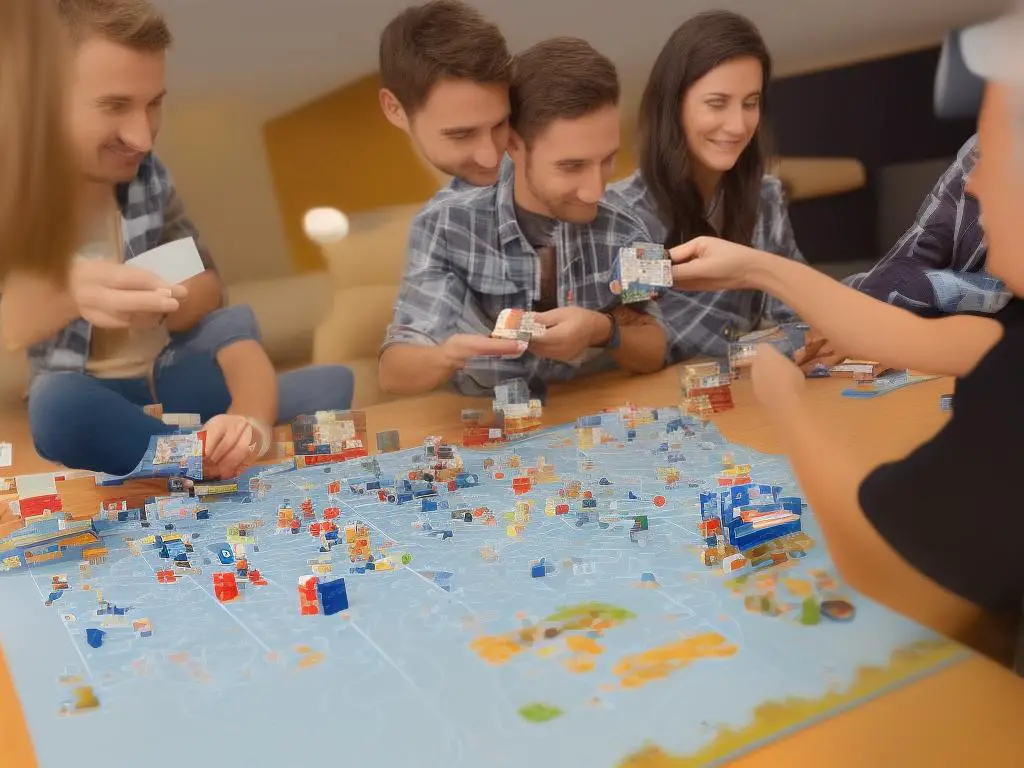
(52, 406)
(223, 327)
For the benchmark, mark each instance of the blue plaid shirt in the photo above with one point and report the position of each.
(703, 323)
(468, 259)
(938, 266)
(153, 214)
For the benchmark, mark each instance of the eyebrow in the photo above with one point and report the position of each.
(117, 99)
(718, 95)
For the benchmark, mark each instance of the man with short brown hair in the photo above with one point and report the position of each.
(444, 73)
(95, 362)
(542, 238)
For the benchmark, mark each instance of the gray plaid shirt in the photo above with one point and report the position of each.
(468, 259)
(153, 214)
(703, 323)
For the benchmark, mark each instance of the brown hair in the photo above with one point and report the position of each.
(38, 178)
(694, 49)
(560, 78)
(440, 39)
(136, 24)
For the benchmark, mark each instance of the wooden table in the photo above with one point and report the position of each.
(968, 714)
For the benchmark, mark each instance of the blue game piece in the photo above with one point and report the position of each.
(224, 553)
(333, 596)
(94, 637)
(647, 576)
(537, 569)
(163, 552)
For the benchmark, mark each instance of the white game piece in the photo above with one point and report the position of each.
(325, 225)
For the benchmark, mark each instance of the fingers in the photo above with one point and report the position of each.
(133, 302)
(236, 430)
(125, 277)
(485, 346)
(214, 436)
(685, 252)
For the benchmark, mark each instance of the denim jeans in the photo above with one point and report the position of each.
(84, 422)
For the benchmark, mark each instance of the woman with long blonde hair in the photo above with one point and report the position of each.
(38, 182)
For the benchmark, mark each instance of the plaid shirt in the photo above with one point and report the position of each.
(938, 266)
(468, 259)
(703, 323)
(153, 214)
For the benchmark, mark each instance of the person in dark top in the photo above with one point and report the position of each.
(941, 522)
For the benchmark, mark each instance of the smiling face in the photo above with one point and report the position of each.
(461, 129)
(721, 112)
(117, 106)
(564, 171)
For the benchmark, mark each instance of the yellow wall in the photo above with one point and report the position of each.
(339, 151)
(215, 153)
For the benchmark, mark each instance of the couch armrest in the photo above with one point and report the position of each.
(804, 178)
(288, 310)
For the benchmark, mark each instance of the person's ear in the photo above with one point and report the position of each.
(393, 110)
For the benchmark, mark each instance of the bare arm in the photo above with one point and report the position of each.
(643, 343)
(831, 478)
(874, 330)
(409, 369)
(33, 309)
(852, 321)
(205, 295)
(106, 294)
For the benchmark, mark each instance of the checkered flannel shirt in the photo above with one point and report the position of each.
(153, 214)
(468, 259)
(702, 323)
(938, 266)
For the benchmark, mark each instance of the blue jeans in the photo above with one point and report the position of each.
(84, 422)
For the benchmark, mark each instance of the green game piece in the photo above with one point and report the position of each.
(539, 712)
(406, 558)
(810, 612)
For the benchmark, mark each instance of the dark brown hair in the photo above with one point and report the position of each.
(136, 24)
(560, 78)
(694, 49)
(39, 179)
(440, 39)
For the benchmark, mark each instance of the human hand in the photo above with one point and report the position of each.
(711, 264)
(112, 295)
(778, 383)
(230, 445)
(570, 332)
(817, 351)
(457, 350)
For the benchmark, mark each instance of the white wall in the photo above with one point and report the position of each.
(214, 151)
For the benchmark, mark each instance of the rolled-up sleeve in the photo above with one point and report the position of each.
(432, 294)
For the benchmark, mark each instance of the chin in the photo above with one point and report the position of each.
(479, 178)
(577, 215)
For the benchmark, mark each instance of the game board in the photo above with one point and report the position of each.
(568, 620)
(886, 383)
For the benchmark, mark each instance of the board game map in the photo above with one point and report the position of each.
(541, 629)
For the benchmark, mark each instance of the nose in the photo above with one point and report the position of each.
(137, 133)
(486, 155)
(592, 188)
(735, 124)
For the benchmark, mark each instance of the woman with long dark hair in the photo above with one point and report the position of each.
(703, 156)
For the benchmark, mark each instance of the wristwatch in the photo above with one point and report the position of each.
(615, 338)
